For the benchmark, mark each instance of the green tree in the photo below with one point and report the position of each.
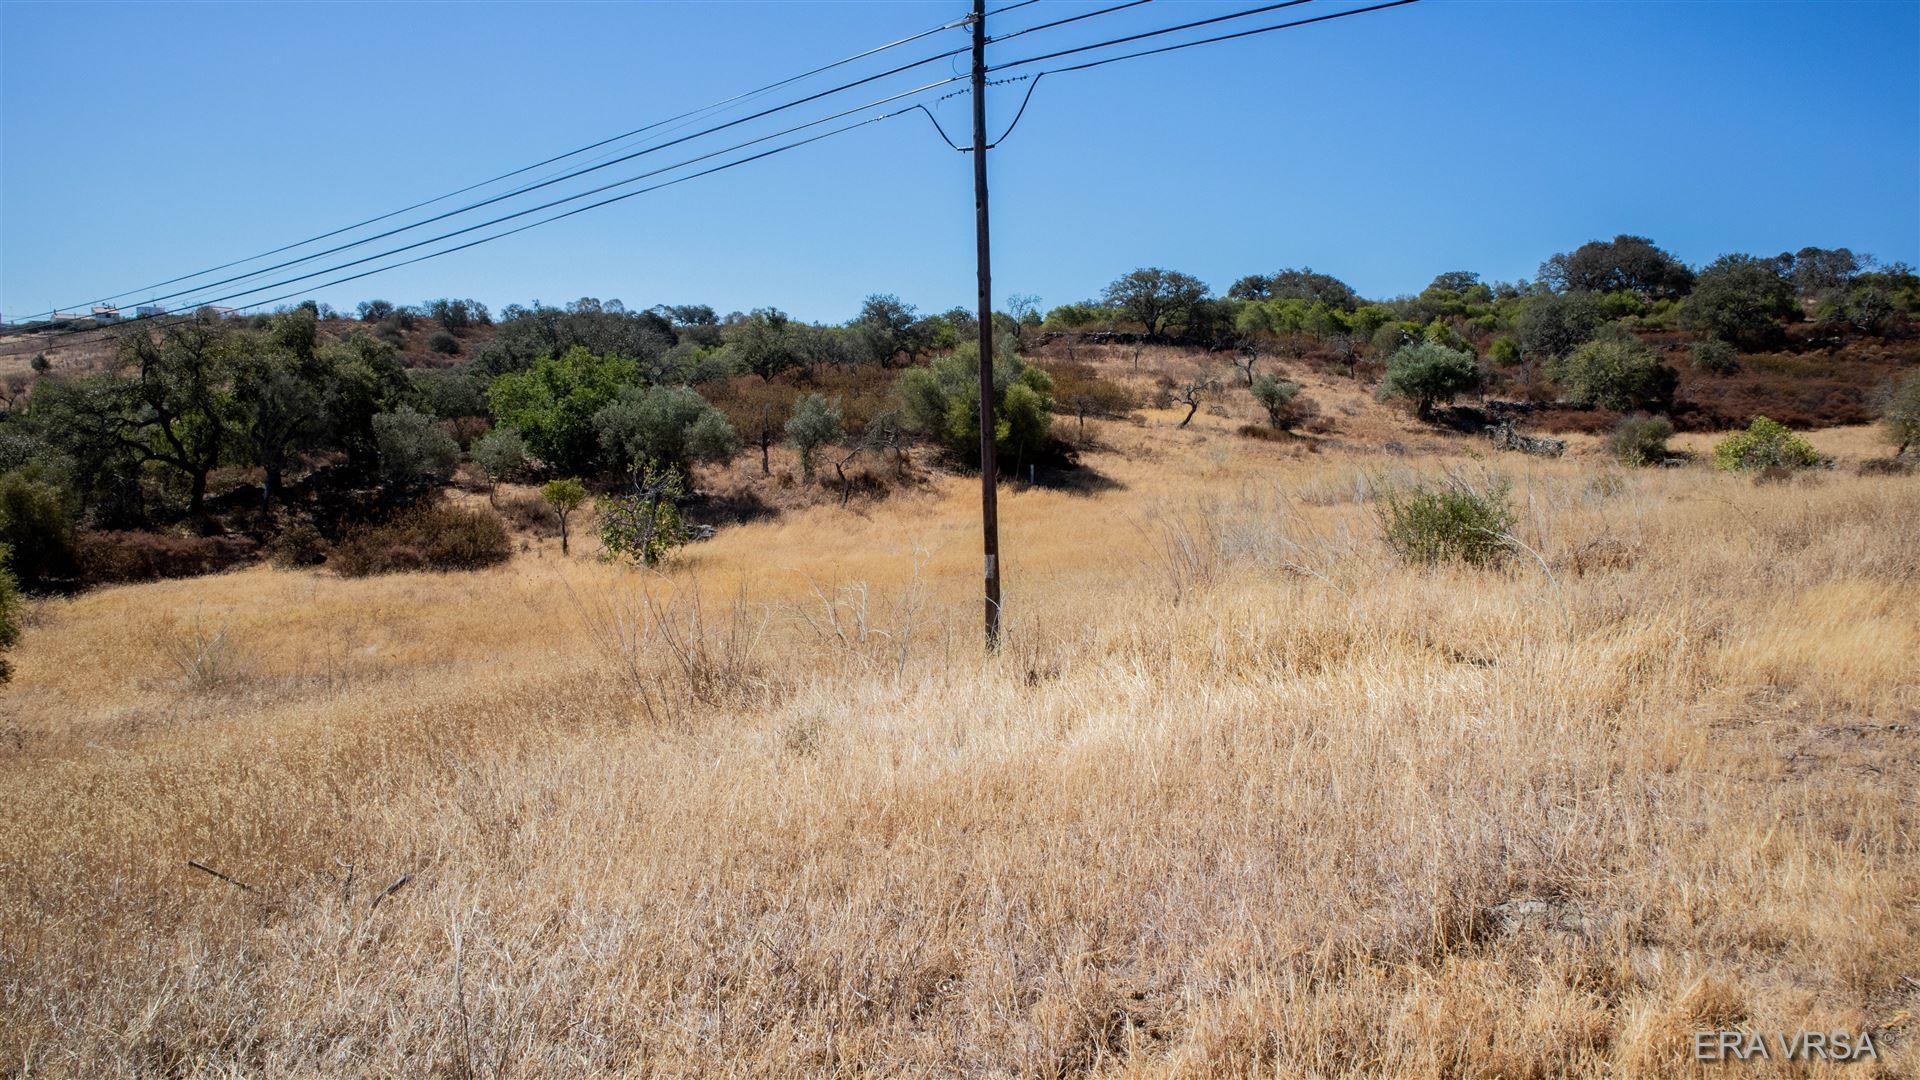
(278, 411)
(942, 401)
(501, 454)
(1156, 299)
(1901, 420)
(1302, 284)
(1614, 373)
(10, 612)
(1554, 325)
(1426, 373)
(646, 524)
(35, 524)
(1625, 262)
(886, 331)
(172, 403)
(553, 404)
(815, 422)
(565, 496)
(363, 377)
(765, 343)
(414, 451)
(669, 426)
(1739, 299)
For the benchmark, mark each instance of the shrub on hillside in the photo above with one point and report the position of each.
(1426, 373)
(1901, 420)
(942, 401)
(646, 524)
(414, 451)
(1282, 401)
(1765, 444)
(1555, 325)
(1641, 440)
(672, 426)
(10, 610)
(297, 544)
(501, 454)
(444, 343)
(1448, 522)
(1739, 299)
(1614, 373)
(35, 524)
(1714, 356)
(427, 538)
(114, 557)
(815, 422)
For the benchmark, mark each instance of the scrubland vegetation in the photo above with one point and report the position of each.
(606, 696)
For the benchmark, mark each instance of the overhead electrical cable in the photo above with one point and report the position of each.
(777, 150)
(724, 102)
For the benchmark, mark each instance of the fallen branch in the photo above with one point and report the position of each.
(205, 869)
(398, 883)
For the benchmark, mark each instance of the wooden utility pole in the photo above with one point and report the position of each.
(989, 473)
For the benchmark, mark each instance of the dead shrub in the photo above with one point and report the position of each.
(1885, 467)
(206, 660)
(297, 544)
(530, 514)
(675, 654)
(119, 557)
(428, 538)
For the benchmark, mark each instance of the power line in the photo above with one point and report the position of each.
(73, 334)
(1222, 37)
(728, 165)
(548, 182)
(1069, 19)
(1151, 33)
(568, 176)
(735, 99)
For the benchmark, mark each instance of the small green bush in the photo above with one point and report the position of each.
(645, 525)
(34, 522)
(1504, 351)
(1280, 397)
(429, 538)
(444, 343)
(1901, 420)
(1715, 356)
(10, 606)
(1614, 372)
(1448, 522)
(1641, 440)
(1766, 444)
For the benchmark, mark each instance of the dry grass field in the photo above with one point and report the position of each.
(1242, 795)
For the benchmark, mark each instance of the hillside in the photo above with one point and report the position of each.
(1245, 792)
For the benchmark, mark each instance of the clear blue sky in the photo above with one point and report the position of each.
(144, 140)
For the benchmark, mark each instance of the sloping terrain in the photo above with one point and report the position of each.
(1242, 793)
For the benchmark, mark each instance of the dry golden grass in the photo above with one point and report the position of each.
(1241, 795)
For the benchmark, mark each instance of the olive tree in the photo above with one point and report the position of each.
(670, 426)
(815, 422)
(1425, 373)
